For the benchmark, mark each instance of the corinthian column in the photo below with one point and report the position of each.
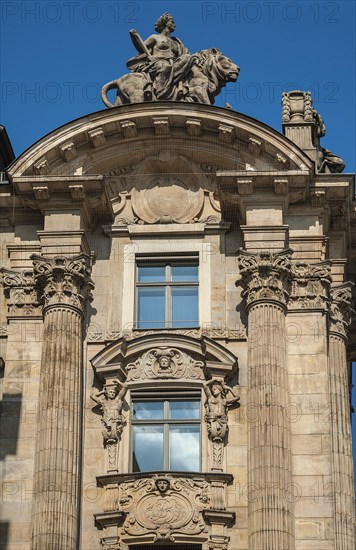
(65, 286)
(266, 279)
(343, 483)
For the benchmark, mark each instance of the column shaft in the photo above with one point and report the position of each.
(65, 286)
(58, 448)
(343, 481)
(270, 515)
(266, 282)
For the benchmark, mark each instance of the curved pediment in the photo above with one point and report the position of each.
(154, 163)
(192, 355)
(116, 142)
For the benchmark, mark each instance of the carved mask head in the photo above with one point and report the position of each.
(164, 362)
(162, 485)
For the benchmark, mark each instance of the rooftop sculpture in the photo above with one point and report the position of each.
(164, 70)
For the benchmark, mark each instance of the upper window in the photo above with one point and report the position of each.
(166, 433)
(167, 293)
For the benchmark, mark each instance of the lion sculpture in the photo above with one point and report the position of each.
(210, 72)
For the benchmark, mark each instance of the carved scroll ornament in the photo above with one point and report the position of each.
(165, 363)
(163, 507)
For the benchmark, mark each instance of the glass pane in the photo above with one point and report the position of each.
(184, 307)
(147, 410)
(184, 410)
(151, 274)
(184, 273)
(184, 448)
(147, 448)
(151, 307)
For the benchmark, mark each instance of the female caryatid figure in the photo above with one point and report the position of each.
(216, 408)
(164, 60)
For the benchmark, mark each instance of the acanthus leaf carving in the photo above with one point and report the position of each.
(19, 288)
(310, 285)
(64, 280)
(265, 275)
(341, 311)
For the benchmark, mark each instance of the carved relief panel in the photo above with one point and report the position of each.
(178, 192)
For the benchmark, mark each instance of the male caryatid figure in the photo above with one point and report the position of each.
(110, 400)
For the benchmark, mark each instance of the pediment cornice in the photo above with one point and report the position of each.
(109, 140)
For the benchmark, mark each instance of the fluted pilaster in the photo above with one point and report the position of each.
(65, 285)
(343, 482)
(266, 280)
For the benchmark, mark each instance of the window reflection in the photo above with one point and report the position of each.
(166, 435)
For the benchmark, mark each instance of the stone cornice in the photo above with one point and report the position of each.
(136, 122)
(44, 193)
(63, 281)
(108, 479)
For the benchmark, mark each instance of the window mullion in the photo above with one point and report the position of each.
(168, 307)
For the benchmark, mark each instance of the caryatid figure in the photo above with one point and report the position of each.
(111, 400)
(216, 407)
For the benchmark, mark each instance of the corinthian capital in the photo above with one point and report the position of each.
(340, 309)
(310, 285)
(265, 276)
(19, 289)
(63, 280)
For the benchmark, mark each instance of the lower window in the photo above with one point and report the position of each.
(166, 434)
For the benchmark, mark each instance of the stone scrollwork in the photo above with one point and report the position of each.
(19, 288)
(216, 408)
(310, 285)
(265, 276)
(64, 280)
(341, 311)
(165, 363)
(163, 507)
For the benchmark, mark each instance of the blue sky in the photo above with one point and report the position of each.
(56, 56)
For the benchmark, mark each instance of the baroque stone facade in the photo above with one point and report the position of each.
(125, 425)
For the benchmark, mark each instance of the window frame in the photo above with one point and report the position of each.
(166, 261)
(180, 394)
